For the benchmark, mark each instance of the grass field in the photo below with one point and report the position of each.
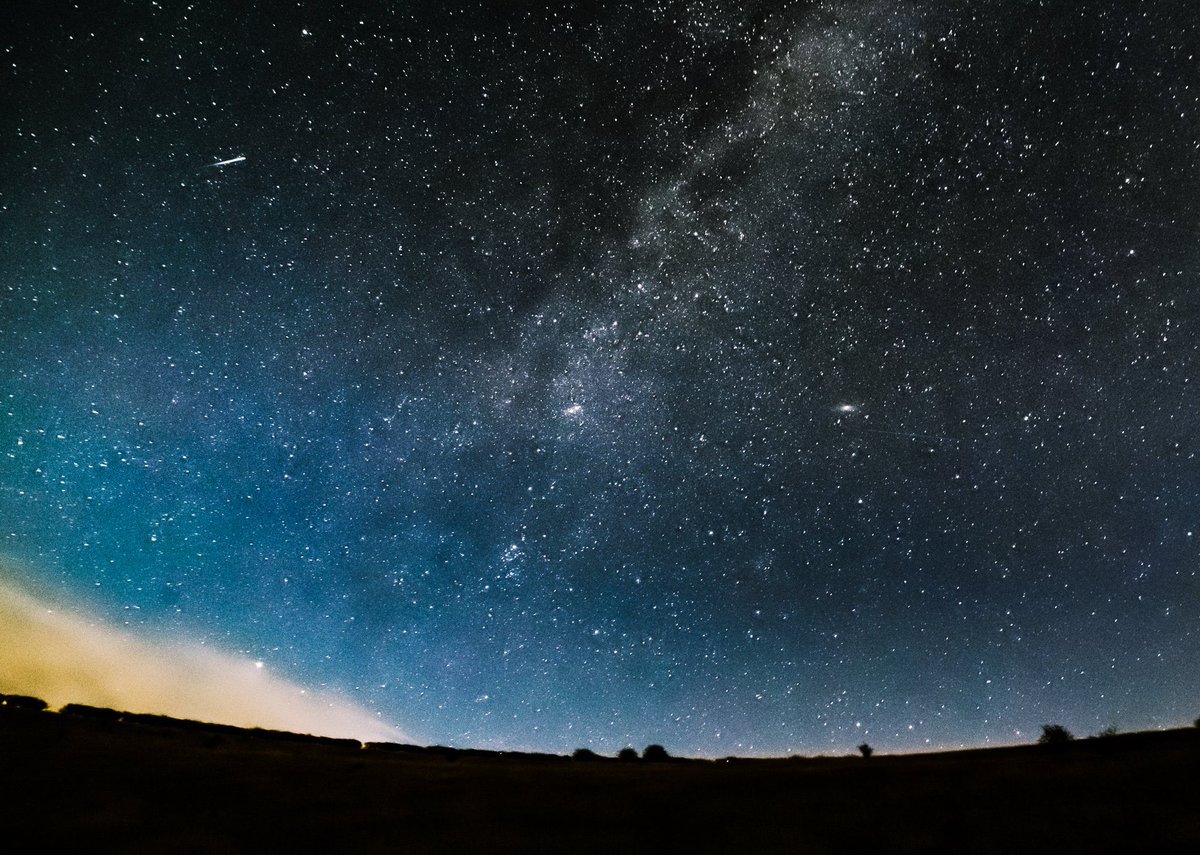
(74, 782)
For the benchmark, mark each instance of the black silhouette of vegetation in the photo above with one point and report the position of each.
(394, 748)
(1055, 734)
(865, 750)
(1107, 733)
(1197, 722)
(88, 711)
(655, 753)
(449, 754)
(22, 702)
(585, 754)
(288, 736)
(287, 779)
(157, 720)
(627, 754)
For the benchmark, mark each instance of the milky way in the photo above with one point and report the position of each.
(749, 378)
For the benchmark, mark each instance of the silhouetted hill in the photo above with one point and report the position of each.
(139, 783)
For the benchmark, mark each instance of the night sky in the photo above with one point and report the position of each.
(749, 378)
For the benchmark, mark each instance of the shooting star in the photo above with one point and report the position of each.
(231, 160)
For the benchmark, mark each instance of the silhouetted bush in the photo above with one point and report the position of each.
(22, 702)
(655, 753)
(395, 747)
(585, 754)
(1055, 734)
(627, 754)
(1109, 731)
(1197, 722)
(205, 727)
(87, 711)
(865, 750)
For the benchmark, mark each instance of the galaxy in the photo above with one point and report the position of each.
(755, 378)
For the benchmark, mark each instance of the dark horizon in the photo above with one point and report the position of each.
(87, 781)
(27, 704)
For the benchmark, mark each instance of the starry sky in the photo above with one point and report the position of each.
(750, 378)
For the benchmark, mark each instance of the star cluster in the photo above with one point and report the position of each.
(748, 378)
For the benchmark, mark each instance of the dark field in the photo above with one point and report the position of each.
(76, 783)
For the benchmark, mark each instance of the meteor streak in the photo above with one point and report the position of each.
(237, 159)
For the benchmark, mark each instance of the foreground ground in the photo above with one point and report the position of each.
(69, 782)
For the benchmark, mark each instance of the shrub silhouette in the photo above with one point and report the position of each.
(627, 754)
(1197, 722)
(585, 754)
(89, 711)
(655, 753)
(1054, 734)
(866, 750)
(394, 747)
(22, 702)
(1111, 730)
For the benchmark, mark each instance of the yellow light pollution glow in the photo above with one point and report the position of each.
(64, 657)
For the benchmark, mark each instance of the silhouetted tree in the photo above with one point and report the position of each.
(655, 753)
(1111, 730)
(88, 711)
(1197, 722)
(866, 750)
(584, 754)
(627, 754)
(394, 747)
(1055, 734)
(22, 702)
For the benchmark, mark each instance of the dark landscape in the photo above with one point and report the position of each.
(108, 781)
